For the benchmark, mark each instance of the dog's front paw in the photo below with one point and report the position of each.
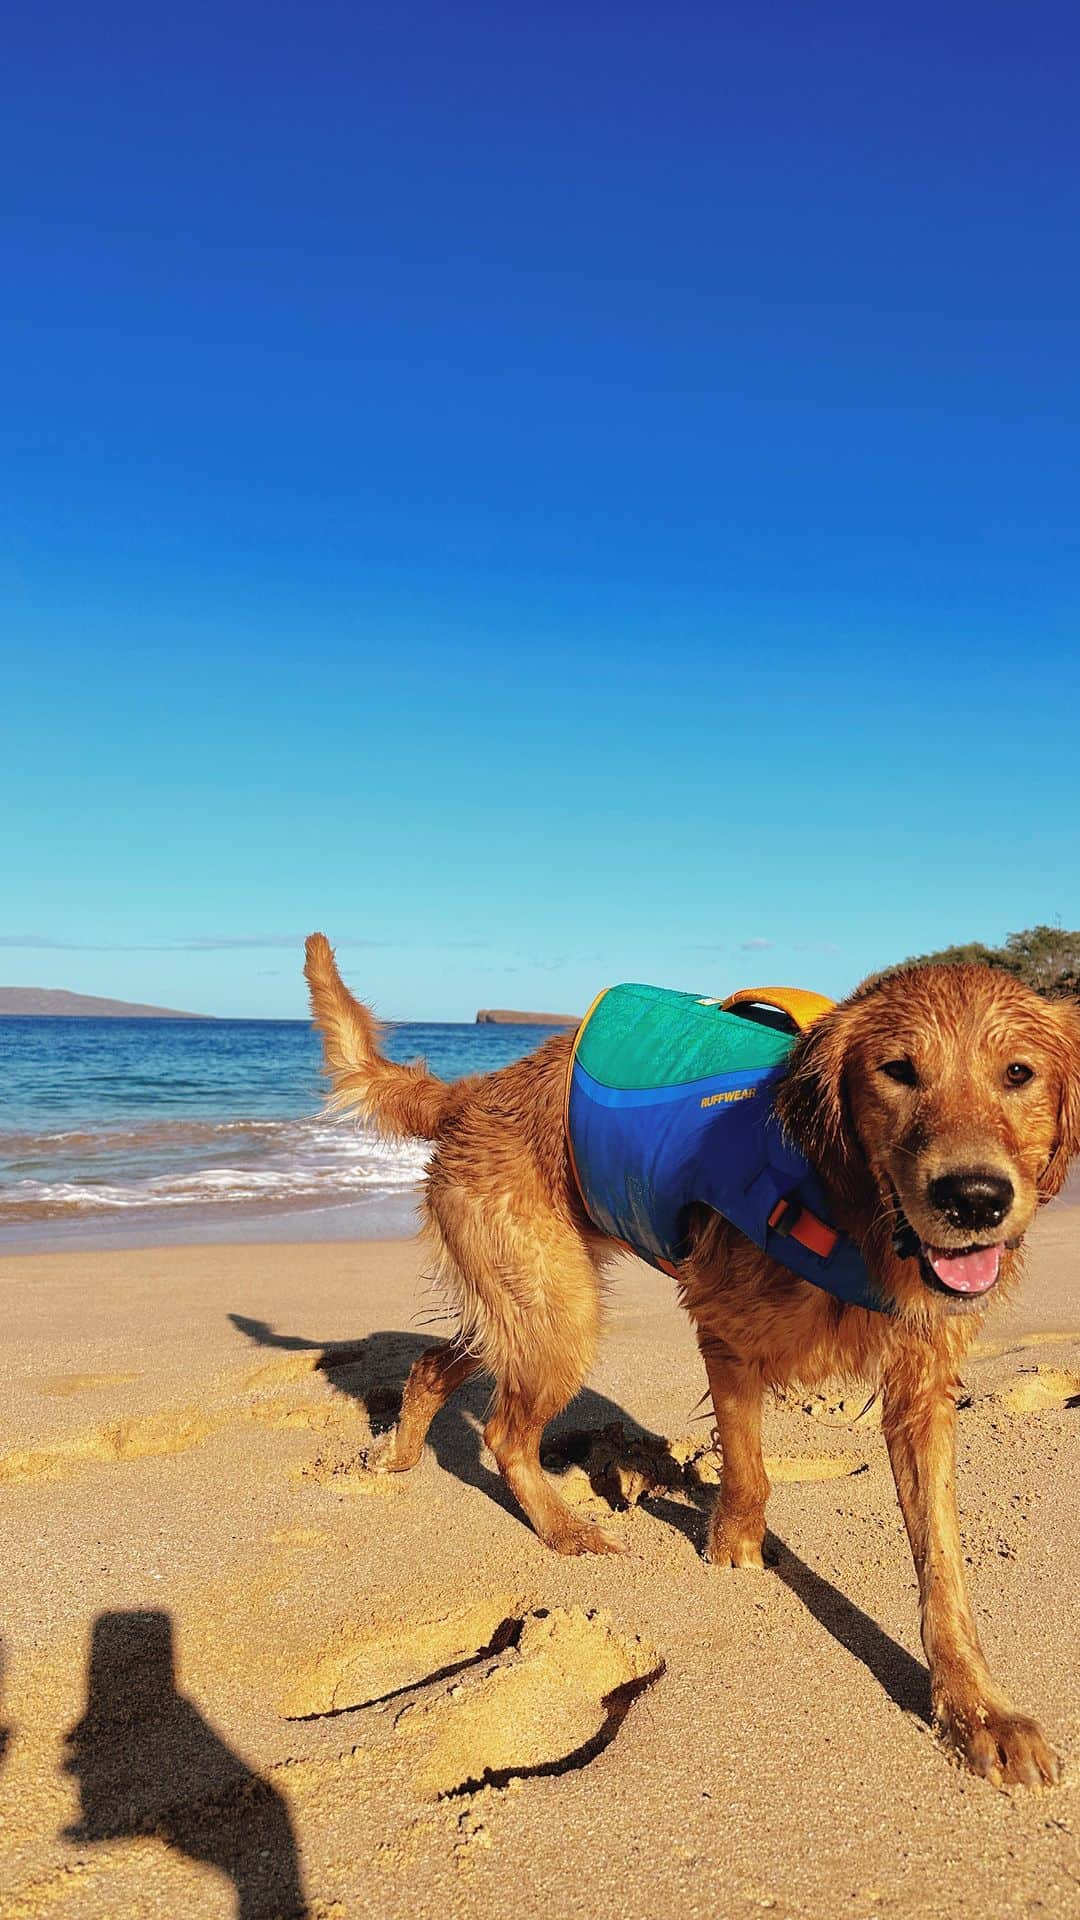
(1006, 1748)
(728, 1547)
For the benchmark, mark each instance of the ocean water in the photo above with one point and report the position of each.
(135, 1131)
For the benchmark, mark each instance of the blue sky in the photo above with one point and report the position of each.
(547, 494)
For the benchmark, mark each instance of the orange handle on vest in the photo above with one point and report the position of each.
(798, 1003)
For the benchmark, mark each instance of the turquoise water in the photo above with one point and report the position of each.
(119, 1129)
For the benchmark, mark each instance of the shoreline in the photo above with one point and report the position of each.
(373, 1217)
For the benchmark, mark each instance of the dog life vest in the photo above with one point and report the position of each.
(670, 1100)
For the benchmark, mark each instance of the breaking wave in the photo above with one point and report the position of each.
(172, 1163)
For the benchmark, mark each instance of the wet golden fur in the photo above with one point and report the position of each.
(524, 1266)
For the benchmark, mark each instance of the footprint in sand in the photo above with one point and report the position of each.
(137, 1438)
(177, 1430)
(489, 1696)
(1037, 1390)
(556, 1699)
(339, 1363)
(706, 1465)
(1020, 1342)
(366, 1670)
(609, 1469)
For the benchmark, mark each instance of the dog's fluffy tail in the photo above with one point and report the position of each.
(405, 1101)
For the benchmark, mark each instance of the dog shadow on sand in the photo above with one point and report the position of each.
(625, 1464)
(372, 1372)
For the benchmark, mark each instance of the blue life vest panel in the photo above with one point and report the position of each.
(670, 1101)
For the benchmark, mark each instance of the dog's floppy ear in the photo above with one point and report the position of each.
(812, 1103)
(1067, 1144)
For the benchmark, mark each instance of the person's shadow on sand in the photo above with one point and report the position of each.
(372, 1371)
(148, 1763)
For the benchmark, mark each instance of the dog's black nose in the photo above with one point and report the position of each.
(976, 1199)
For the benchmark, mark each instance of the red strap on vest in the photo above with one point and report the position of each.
(798, 1223)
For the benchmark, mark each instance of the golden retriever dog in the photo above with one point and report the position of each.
(940, 1106)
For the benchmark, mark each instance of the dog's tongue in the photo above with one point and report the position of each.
(973, 1272)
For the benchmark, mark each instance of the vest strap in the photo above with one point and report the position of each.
(795, 1222)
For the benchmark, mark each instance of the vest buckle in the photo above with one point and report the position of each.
(785, 1216)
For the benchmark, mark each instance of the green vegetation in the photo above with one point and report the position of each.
(1048, 958)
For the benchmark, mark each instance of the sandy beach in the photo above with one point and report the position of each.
(242, 1675)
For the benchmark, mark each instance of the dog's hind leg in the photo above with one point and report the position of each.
(737, 1526)
(434, 1377)
(513, 1433)
(548, 1330)
(530, 1297)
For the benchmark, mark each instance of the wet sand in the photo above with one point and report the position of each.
(243, 1675)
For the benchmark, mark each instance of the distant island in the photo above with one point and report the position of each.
(42, 1001)
(502, 1017)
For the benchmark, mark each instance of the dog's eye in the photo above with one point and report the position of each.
(1017, 1074)
(902, 1071)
